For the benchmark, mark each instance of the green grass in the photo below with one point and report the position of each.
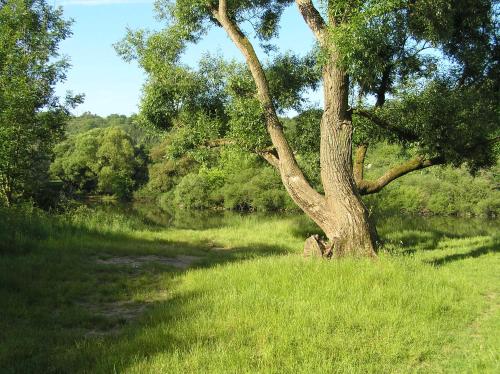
(429, 303)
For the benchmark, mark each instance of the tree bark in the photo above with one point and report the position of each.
(351, 229)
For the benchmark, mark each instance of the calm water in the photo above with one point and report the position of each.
(199, 220)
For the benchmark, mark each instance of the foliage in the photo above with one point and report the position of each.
(236, 180)
(141, 135)
(434, 64)
(230, 179)
(428, 70)
(32, 118)
(438, 191)
(102, 160)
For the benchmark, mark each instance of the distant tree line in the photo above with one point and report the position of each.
(116, 156)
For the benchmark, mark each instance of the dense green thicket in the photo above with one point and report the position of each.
(229, 178)
(236, 180)
(140, 135)
(442, 190)
(102, 160)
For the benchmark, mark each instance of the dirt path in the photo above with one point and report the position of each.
(180, 262)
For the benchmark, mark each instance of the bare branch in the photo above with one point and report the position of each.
(271, 157)
(223, 7)
(359, 163)
(366, 187)
(313, 18)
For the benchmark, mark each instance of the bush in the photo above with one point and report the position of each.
(196, 191)
(103, 161)
(438, 190)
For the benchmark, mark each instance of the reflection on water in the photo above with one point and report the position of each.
(445, 226)
(200, 220)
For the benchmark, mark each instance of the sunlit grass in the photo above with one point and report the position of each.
(429, 303)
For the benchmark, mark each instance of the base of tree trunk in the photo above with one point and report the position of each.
(315, 247)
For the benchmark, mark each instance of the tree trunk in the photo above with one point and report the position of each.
(350, 230)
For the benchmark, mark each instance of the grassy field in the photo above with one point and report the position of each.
(94, 292)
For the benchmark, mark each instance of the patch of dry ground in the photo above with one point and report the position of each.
(125, 311)
(180, 262)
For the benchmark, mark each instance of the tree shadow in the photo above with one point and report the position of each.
(480, 251)
(46, 292)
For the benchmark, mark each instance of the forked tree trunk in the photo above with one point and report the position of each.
(340, 213)
(347, 224)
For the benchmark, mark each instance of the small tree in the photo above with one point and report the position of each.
(31, 117)
(421, 73)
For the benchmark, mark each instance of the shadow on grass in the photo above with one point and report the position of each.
(494, 247)
(46, 281)
(51, 287)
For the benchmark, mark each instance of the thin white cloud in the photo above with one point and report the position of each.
(100, 2)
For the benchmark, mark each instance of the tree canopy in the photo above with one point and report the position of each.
(423, 73)
(101, 160)
(32, 117)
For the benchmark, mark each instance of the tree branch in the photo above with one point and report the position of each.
(366, 187)
(306, 197)
(359, 163)
(385, 125)
(384, 86)
(269, 154)
(271, 157)
(313, 19)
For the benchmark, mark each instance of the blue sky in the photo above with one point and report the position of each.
(112, 86)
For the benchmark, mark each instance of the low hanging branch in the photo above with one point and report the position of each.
(366, 187)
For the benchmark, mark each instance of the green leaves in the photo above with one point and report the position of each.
(100, 161)
(428, 68)
(31, 116)
(452, 123)
(290, 77)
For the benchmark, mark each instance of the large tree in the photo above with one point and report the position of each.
(422, 73)
(32, 118)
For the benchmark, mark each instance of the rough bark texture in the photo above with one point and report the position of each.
(351, 230)
(367, 187)
(314, 247)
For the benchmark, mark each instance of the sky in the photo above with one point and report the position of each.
(110, 84)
